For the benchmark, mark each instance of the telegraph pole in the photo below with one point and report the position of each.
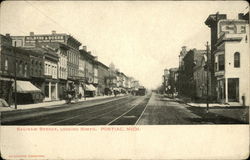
(15, 75)
(207, 77)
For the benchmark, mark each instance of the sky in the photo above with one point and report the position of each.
(140, 38)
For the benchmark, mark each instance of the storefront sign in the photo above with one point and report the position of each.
(51, 38)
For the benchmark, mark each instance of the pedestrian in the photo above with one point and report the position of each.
(69, 98)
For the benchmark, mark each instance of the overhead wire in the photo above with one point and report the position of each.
(51, 19)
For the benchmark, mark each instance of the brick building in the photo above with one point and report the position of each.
(88, 75)
(16, 59)
(67, 48)
(103, 73)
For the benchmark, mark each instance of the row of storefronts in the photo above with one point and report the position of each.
(49, 66)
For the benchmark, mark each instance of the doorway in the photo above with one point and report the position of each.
(233, 89)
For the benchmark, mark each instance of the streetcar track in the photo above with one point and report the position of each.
(97, 116)
(116, 108)
(107, 108)
(90, 115)
(142, 112)
(116, 118)
(87, 108)
(121, 115)
(143, 102)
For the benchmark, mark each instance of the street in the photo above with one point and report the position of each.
(162, 110)
(152, 109)
(122, 110)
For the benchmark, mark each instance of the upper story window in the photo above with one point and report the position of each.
(221, 59)
(243, 29)
(20, 68)
(25, 70)
(6, 64)
(236, 59)
(216, 63)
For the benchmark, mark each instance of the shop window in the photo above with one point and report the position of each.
(237, 60)
(221, 62)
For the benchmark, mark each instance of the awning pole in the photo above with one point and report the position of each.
(15, 76)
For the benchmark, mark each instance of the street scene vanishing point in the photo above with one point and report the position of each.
(121, 66)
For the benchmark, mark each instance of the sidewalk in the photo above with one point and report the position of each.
(52, 103)
(230, 111)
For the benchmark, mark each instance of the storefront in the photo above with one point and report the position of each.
(90, 90)
(27, 93)
(228, 90)
(62, 88)
(51, 90)
(6, 91)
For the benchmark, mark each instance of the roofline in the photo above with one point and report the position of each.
(102, 64)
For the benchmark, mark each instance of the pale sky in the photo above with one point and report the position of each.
(140, 38)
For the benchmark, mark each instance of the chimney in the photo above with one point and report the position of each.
(84, 48)
(89, 52)
(32, 34)
(7, 35)
(53, 32)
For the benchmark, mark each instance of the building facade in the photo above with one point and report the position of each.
(103, 74)
(19, 60)
(51, 75)
(232, 61)
(212, 23)
(88, 67)
(67, 49)
(200, 75)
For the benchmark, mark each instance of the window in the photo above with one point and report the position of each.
(6, 64)
(25, 69)
(20, 68)
(221, 62)
(49, 70)
(237, 60)
(216, 63)
(243, 29)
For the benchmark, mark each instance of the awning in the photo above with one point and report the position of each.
(116, 89)
(25, 87)
(89, 87)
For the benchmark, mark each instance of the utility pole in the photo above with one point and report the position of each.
(207, 77)
(15, 74)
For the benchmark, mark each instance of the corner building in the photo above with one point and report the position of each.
(232, 61)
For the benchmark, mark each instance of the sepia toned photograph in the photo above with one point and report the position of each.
(123, 64)
(163, 67)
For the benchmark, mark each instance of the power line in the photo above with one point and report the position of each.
(51, 19)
